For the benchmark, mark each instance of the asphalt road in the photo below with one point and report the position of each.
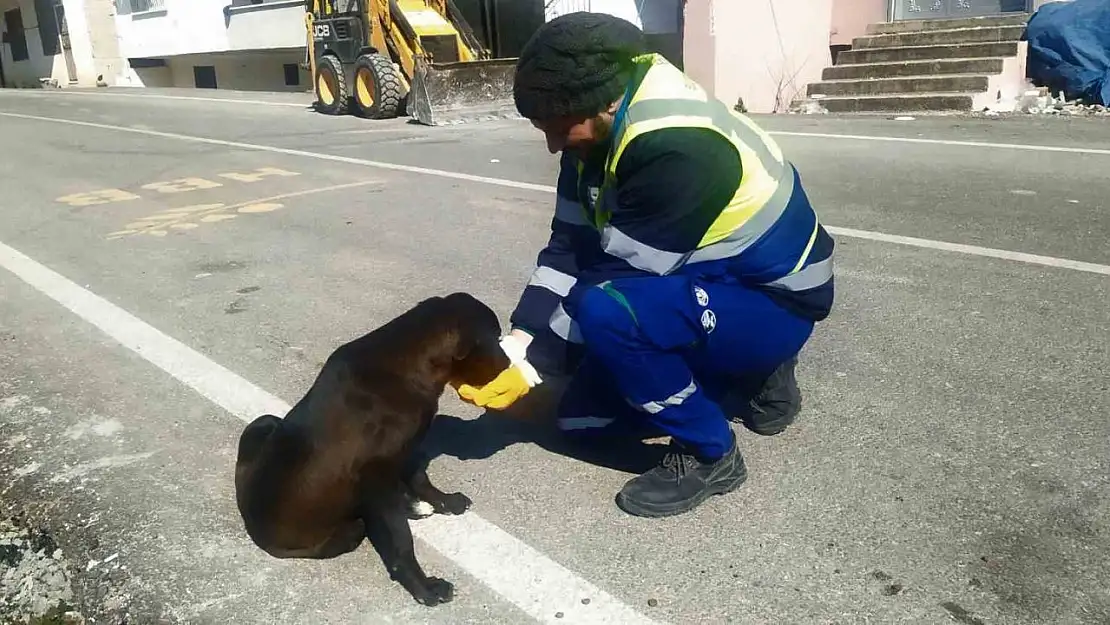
(951, 464)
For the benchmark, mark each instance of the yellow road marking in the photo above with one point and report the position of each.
(182, 185)
(185, 217)
(216, 217)
(259, 174)
(92, 198)
(334, 187)
(260, 208)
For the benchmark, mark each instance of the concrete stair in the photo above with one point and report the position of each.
(927, 65)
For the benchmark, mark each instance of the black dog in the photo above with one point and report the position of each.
(343, 465)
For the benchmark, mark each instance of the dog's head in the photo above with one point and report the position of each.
(478, 358)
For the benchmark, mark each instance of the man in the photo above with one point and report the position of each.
(685, 260)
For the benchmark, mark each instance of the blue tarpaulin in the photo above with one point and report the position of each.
(1069, 49)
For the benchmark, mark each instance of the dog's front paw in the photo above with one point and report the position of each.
(420, 509)
(436, 591)
(455, 503)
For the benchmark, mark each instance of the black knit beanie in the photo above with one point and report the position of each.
(576, 64)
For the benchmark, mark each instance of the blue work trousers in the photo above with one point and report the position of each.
(660, 353)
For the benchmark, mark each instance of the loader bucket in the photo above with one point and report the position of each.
(462, 92)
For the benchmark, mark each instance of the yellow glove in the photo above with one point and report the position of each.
(510, 385)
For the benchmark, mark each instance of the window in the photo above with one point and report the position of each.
(48, 26)
(127, 7)
(292, 74)
(17, 38)
(204, 76)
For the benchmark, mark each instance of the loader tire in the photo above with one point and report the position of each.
(332, 94)
(378, 93)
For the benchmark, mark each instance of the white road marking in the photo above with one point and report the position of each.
(523, 576)
(294, 152)
(973, 250)
(780, 133)
(969, 144)
(156, 96)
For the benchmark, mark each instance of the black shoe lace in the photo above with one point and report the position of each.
(678, 463)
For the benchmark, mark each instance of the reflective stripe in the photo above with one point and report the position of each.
(582, 423)
(570, 211)
(647, 258)
(639, 255)
(563, 326)
(719, 115)
(655, 407)
(809, 247)
(553, 280)
(754, 228)
(809, 278)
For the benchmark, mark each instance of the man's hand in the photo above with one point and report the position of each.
(511, 384)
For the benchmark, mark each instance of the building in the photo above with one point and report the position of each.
(227, 44)
(213, 44)
(61, 42)
(767, 54)
(771, 53)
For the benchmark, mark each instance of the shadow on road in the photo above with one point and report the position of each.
(532, 421)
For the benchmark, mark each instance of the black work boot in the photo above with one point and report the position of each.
(767, 405)
(681, 482)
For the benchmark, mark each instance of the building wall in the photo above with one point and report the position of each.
(247, 45)
(42, 63)
(653, 16)
(181, 27)
(243, 72)
(93, 33)
(26, 73)
(764, 53)
(206, 26)
(851, 17)
(273, 25)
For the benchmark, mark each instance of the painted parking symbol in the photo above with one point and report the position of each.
(259, 174)
(185, 218)
(94, 198)
(169, 187)
(182, 185)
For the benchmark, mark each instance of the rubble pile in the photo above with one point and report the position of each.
(35, 585)
(1039, 101)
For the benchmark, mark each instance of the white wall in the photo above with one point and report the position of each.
(95, 41)
(183, 27)
(276, 24)
(201, 26)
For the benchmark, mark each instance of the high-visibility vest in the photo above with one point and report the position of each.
(667, 98)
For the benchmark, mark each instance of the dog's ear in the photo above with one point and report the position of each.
(475, 323)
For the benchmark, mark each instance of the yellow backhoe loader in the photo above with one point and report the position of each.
(384, 58)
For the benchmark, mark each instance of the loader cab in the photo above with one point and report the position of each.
(339, 26)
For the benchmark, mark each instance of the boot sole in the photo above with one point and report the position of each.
(657, 512)
(768, 428)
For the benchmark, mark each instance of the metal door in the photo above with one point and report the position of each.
(933, 9)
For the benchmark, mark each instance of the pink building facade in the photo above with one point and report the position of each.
(766, 53)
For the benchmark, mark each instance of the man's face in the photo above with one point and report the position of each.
(577, 134)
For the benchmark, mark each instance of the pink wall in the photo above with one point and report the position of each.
(764, 52)
(699, 48)
(851, 17)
